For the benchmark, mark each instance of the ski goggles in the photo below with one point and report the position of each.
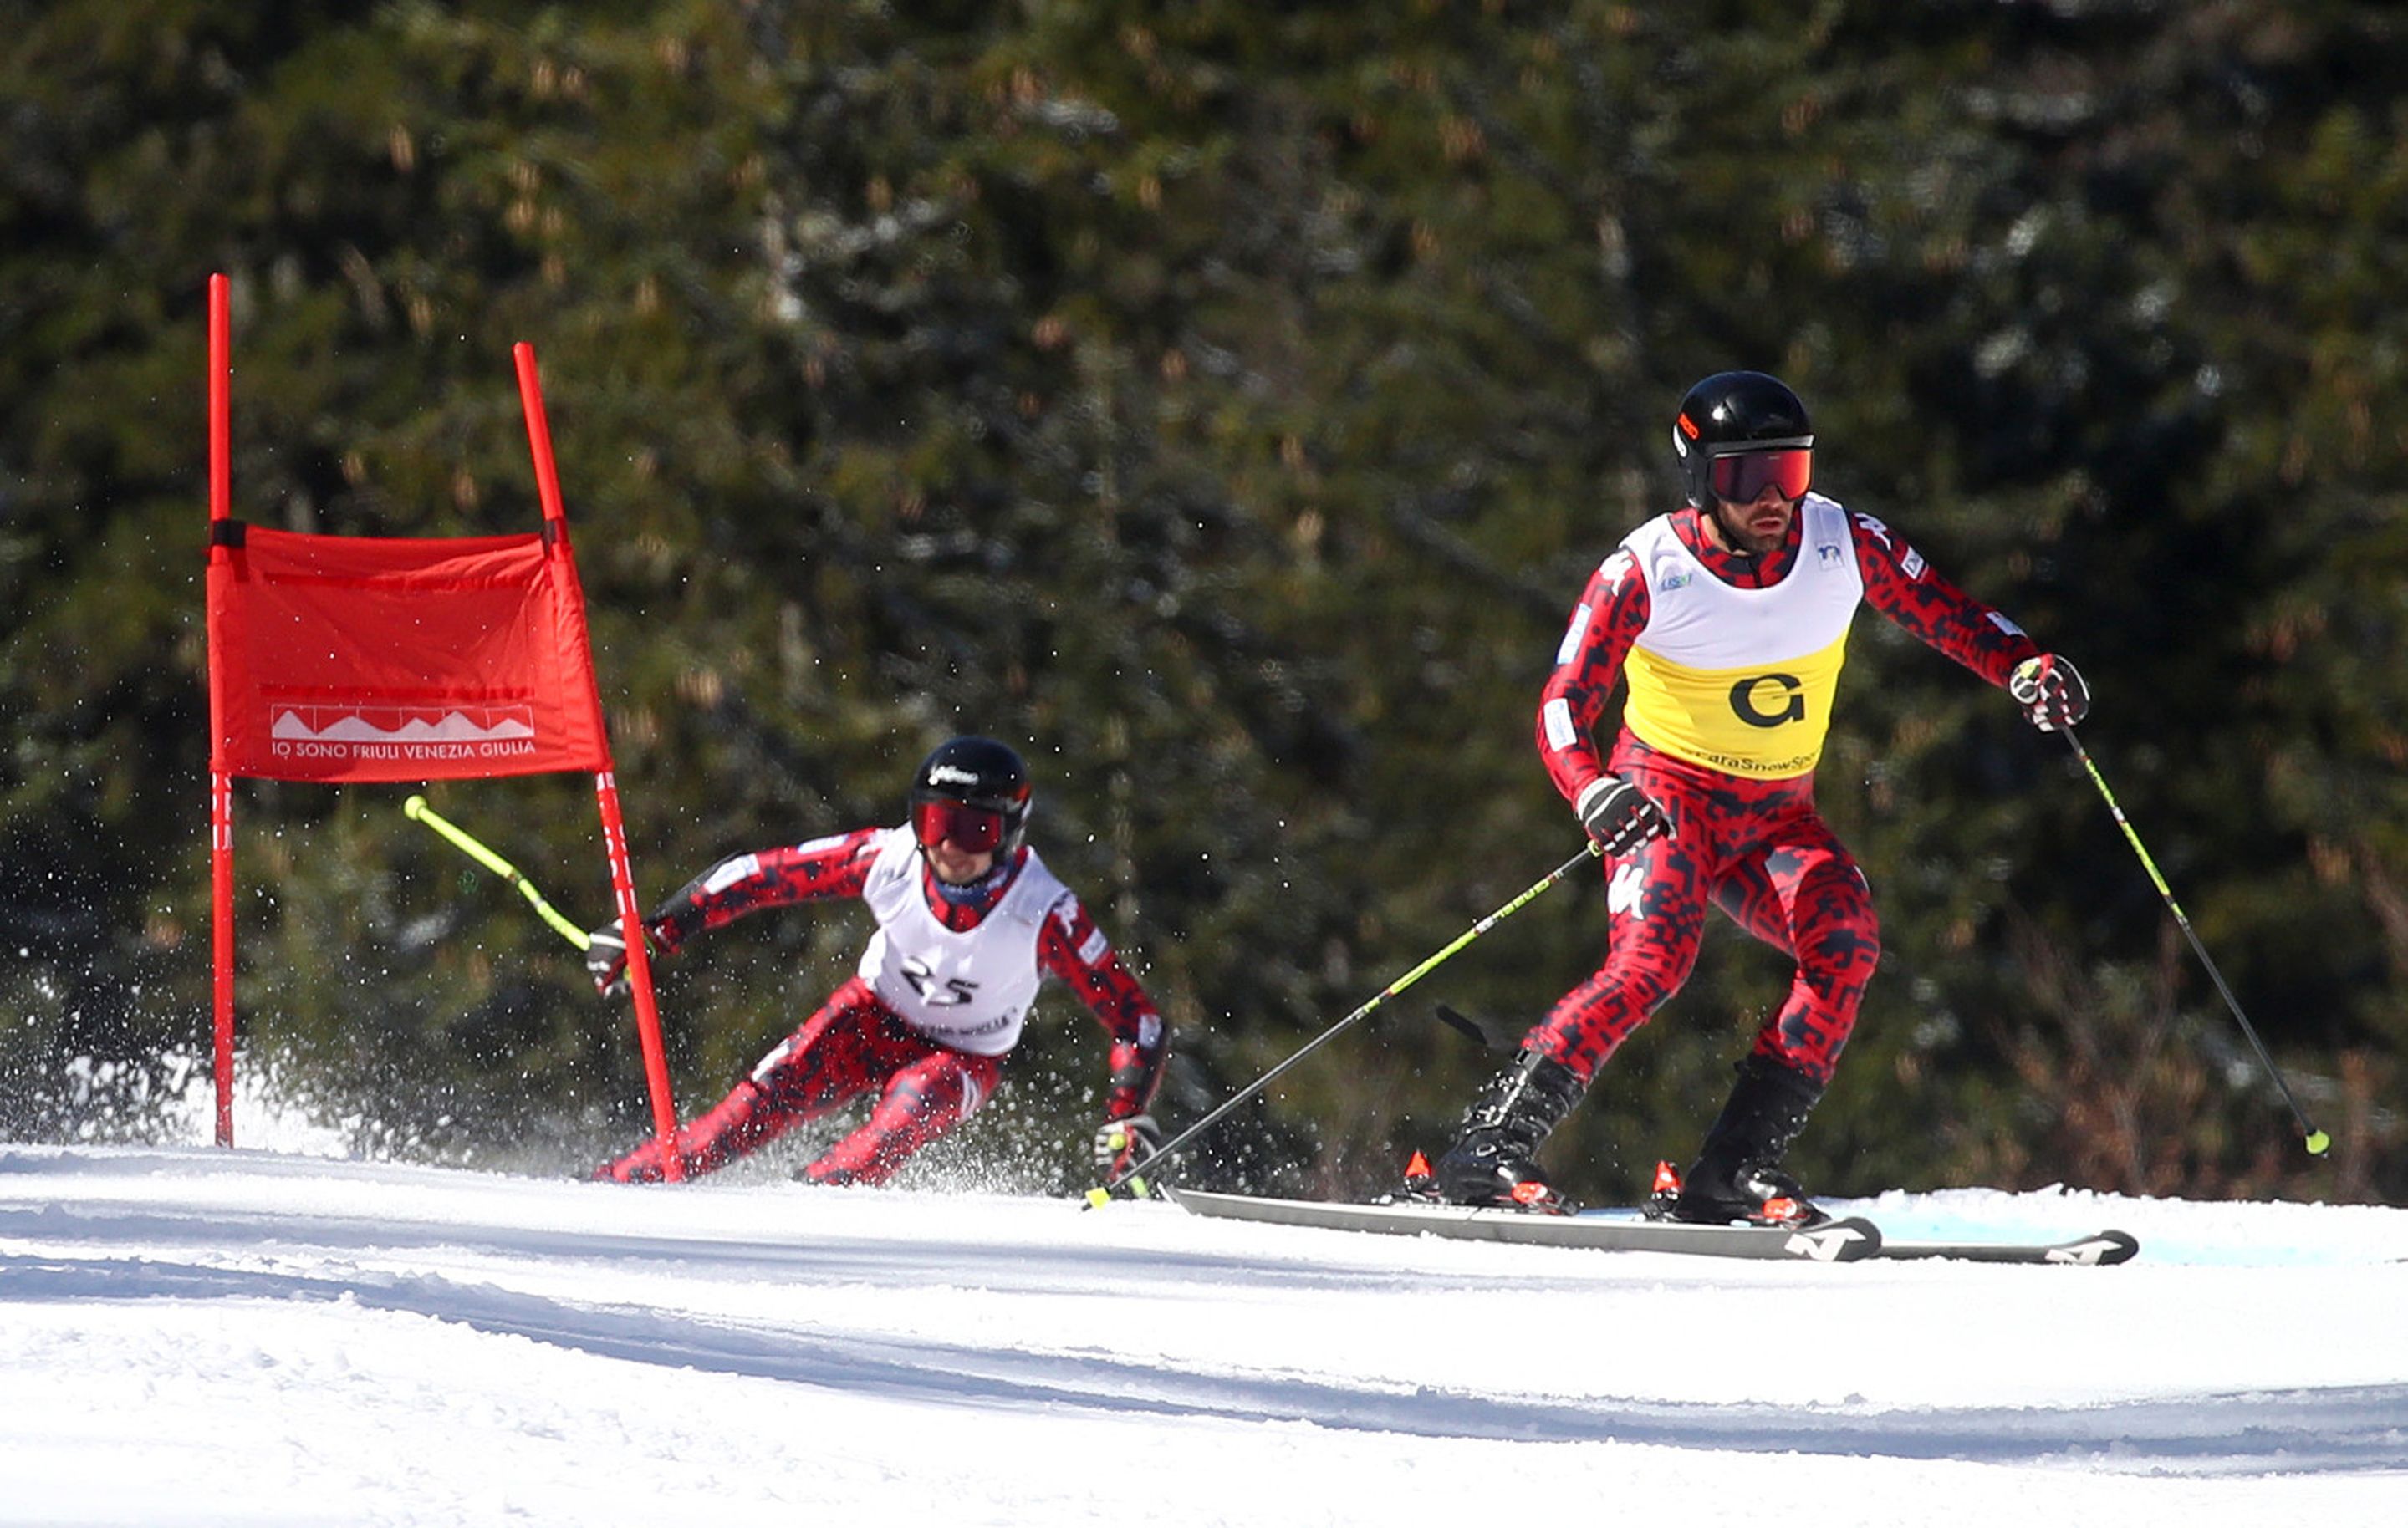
(973, 830)
(1740, 476)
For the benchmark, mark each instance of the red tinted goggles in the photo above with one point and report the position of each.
(973, 830)
(1741, 475)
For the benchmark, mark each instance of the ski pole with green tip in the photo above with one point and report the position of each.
(417, 810)
(1134, 1179)
(2317, 1141)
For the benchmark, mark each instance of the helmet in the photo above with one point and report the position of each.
(1742, 414)
(974, 791)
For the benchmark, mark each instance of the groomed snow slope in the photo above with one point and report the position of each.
(194, 1336)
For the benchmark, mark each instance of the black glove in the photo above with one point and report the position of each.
(2050, 690)
(1620, 816)
(1122, 1144)
(606, 959)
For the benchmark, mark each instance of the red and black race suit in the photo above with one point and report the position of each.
(1755, 849)
(855, 1044)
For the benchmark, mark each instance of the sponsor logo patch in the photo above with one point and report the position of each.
(1569, 646)
(1786, 695)
(1622, 893)
(1557, 714)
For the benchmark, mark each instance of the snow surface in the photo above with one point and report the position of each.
(192, 1337)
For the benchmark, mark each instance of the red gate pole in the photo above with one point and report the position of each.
(221, 782)
(639, 975)
(606, 792)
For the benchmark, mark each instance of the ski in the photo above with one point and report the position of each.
(1849, 1239)
(1833, 1241)
(2095, 1251)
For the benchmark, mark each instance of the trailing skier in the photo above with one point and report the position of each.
(1728, 619)
(969, 923)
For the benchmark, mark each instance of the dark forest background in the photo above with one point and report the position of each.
(1224, 403)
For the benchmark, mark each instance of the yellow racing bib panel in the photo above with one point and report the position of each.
(1765, 722)
(1742, 679)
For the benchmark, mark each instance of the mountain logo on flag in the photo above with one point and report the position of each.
(462, 731)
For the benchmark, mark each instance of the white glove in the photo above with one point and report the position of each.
(2050, 690)
(606, 959)
(1124, 1144)
(1620, 816)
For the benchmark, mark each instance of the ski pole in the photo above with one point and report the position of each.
(1134, 1177)
(2317, 1141)
(417, 810)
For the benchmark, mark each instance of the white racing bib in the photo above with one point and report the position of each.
(970, 990)
(1742, 679)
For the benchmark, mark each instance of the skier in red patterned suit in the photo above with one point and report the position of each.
(1728, 619)
(969, 922)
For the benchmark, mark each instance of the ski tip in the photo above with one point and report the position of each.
(2105, 1250)
(1416, 1168)
(414, 805)
(1098, 1198)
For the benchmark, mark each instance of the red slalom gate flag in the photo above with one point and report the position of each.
(357, 657)
(340, 659)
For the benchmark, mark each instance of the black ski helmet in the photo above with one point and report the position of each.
(976, 772)
(1732, 412)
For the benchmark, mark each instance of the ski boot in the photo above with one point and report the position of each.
(1664, 1192)
(1491, 1159)
(640, 1165)
(1738, 1176)
(738, 1124)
